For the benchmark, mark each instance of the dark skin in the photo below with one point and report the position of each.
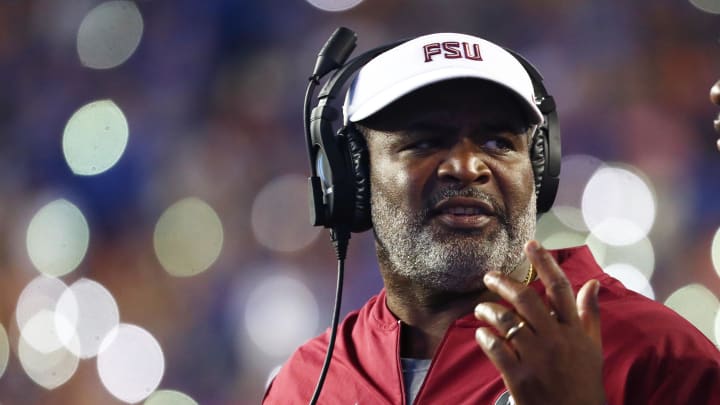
(473, 134)
(715, 98)
(413, 146)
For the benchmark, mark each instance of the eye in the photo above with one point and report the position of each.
(499, 144)
(423, 144)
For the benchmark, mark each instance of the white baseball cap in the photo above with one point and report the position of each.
(430, 59)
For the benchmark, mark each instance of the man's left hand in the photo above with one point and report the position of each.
(546, 355)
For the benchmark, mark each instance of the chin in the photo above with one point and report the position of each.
(455, 279)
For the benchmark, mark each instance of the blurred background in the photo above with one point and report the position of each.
(154, 238)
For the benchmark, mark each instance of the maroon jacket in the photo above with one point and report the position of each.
(652, 355)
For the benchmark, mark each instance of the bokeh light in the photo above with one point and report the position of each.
(640, 255)
(41, 331)
(57, 238)
(169, 397)
(36, 308)
(334, 5)
(92, 313)
(632, 278)
(47, 369)
(292, 308)
(577, 170)
(618, 206)
(95, 138)
(109, 34)
(715, 252)
(554, 234)
(188, 237)
(709, 6)
(130, 363)
(698, 305)
(280, 215)
(4, 350)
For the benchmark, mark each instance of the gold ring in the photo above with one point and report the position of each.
(514, 330)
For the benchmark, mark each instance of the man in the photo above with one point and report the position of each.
(474, 311)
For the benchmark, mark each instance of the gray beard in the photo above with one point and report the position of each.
(444, 260)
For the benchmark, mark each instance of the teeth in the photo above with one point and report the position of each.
(463, 211)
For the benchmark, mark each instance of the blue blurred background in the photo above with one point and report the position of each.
(211, 92)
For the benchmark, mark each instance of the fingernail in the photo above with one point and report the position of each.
(480, 336)
(595, 302)
(533, 246)
(491, 276)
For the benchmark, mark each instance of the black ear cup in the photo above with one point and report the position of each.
(545, 157)
(359, 162)
(545, 153)
(538, 160)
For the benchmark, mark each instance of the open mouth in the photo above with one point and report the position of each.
(463, 212)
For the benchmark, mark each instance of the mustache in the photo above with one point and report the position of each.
(468, 192)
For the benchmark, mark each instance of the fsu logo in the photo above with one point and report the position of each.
(452, 50)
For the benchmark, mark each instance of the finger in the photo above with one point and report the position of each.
(715, 93)
(589, 310)
(524, 299)
(501, 318)
(557, 286)
(495, 348)
(715, 98)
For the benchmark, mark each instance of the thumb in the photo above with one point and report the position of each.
(589, 310)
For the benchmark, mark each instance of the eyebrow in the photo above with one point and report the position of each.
(446, 127)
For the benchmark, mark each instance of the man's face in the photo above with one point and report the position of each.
(452, 185)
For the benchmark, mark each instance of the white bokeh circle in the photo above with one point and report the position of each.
(334, 5)
(279, 216)
(130, 363)
(92, 311)
(95, 138)
(618, 206)
(57, 238)
(292, 308)
(109, 34)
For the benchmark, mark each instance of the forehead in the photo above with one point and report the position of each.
(458, 99)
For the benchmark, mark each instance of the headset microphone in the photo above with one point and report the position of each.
(335, 51)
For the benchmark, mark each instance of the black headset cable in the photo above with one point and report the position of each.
(340, 238)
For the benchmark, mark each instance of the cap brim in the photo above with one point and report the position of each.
(402, 88)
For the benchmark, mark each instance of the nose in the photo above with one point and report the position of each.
(464, 164)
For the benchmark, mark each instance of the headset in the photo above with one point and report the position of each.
(339, 184)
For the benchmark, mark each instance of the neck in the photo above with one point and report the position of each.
(427, 313)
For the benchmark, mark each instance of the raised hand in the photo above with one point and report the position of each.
(547, 354)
